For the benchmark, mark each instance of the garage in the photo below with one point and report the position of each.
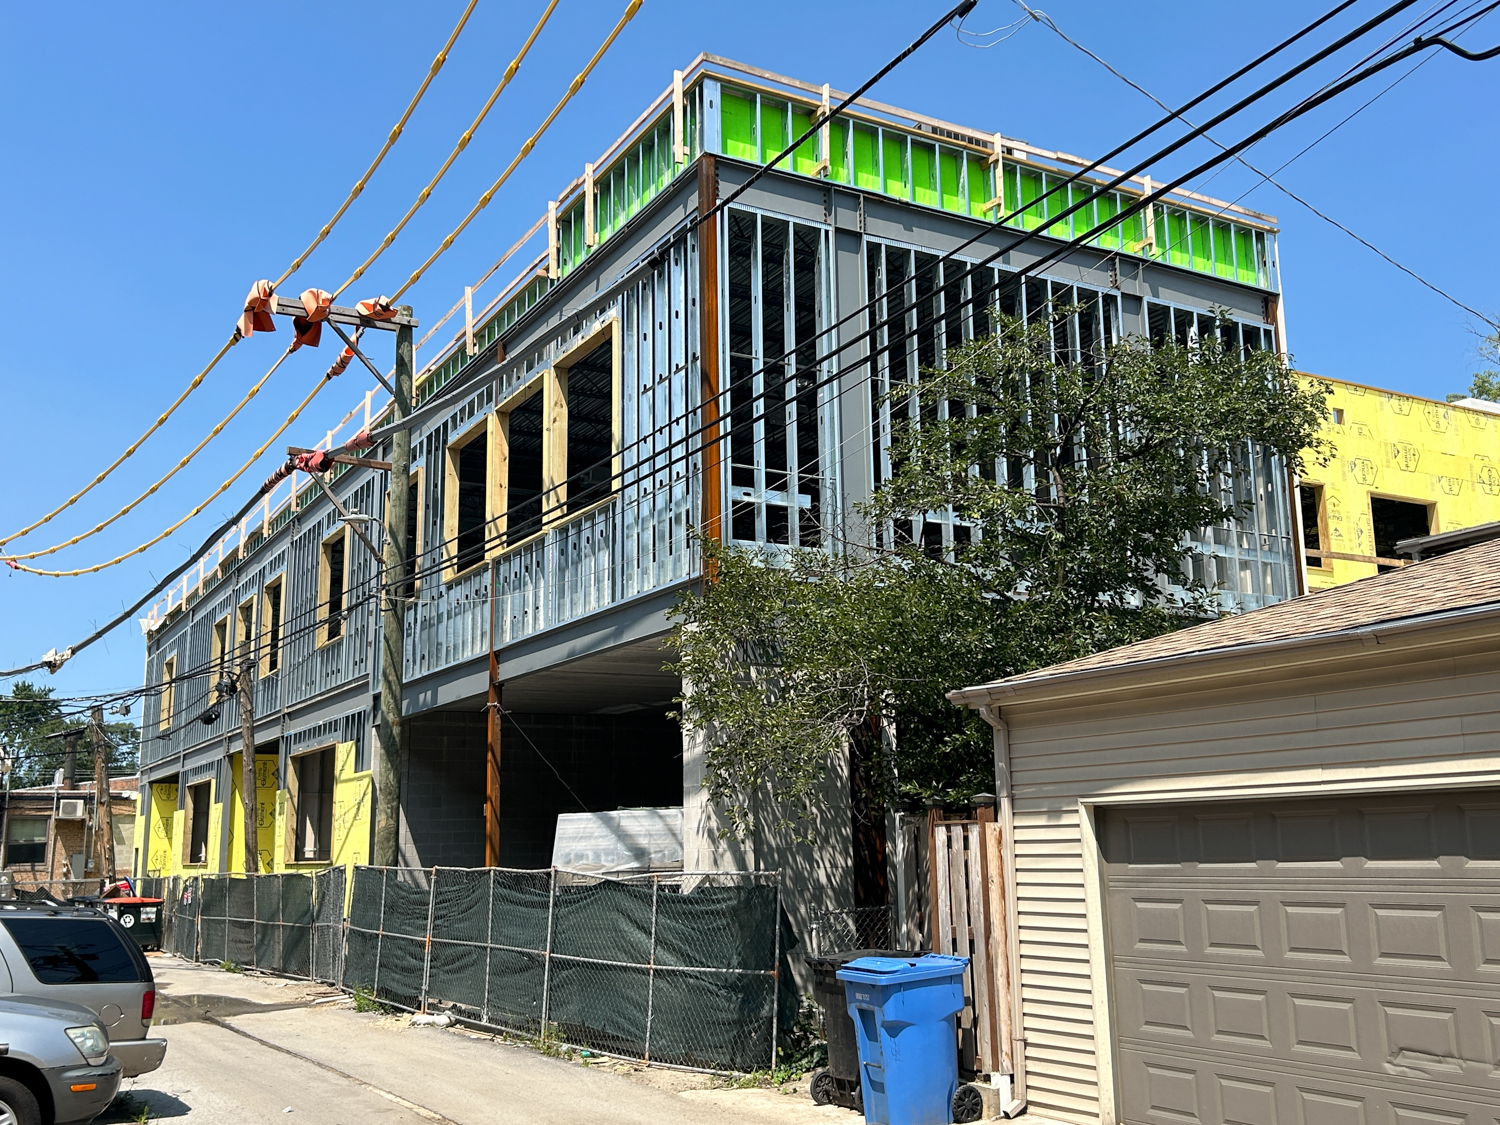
(1323, 961)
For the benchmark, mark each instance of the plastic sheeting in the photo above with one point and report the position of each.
(611, 843)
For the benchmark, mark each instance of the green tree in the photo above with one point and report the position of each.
(1077, 483)
(29, 715)
(1486, 383)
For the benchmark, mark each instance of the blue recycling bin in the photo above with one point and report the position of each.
(905, 1015)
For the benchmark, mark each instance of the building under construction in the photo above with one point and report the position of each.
(645, 376)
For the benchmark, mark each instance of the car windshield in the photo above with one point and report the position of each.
(72, 950)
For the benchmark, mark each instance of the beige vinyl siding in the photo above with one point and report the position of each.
(1391, 717)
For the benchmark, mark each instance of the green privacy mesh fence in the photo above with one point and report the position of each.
(686, 970)
(290, 924)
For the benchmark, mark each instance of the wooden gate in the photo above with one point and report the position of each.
(966, 885)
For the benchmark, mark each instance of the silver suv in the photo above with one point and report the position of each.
(55, 1065)
(77, 955)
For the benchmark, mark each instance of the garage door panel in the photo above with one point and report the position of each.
(1382, 932)
(1307, 962)
(1380, 1032)
(1175, 1088)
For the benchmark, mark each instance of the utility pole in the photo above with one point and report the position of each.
(248, 800)
(393, 610)
(104, 813)
(70, 760)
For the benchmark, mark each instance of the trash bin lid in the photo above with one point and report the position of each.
(893, 970)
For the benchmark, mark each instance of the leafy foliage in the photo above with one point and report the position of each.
(29, 715)
(1073, 484)
(1486, 383)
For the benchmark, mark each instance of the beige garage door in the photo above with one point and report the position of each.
(1327, 962)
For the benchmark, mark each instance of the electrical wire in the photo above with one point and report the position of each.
(1011, 279)
(1269, 177)
(292, 417)
(151, 491)
(748, 378)
(197, 380)
(484, 200)
(463, 143)
(1146, 201)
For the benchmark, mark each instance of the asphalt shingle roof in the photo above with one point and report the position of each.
(1465, 578)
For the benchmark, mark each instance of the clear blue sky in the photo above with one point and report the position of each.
(160, 158)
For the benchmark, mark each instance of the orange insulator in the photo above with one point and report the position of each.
(309, 326)
(258, 306)
(378, 309)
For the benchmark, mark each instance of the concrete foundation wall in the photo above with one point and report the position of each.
(442, 789)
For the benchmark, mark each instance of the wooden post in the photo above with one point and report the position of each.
(492, 766)
(104, 816)
(70, 760)
(935, 889)
(711, 518)
(248, 796)
(393, 615)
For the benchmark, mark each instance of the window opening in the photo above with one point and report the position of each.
(199, 798)
(313, 819)
(272, 619)
(245, 632)
(413, 532)
(168, 689)
(218, 645)
(1312, 526)
(1395, 520)
(591, 427)
(775, 311)
(524, 471)
(471, 478)
(331, 586)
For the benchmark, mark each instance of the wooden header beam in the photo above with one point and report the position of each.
(339, 314)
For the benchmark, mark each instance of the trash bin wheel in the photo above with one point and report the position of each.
(968, 1104)
(822, 1088)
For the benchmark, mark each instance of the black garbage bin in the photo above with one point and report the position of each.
(838, 1082)
(141, 916)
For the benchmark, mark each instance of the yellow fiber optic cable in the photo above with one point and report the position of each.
(463, 143)
(120, 460)
(172, 472)
(292, 417)
(484, 200)
(437, 65)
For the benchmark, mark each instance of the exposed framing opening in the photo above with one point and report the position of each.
(1314, 520)
(583, 424)
(218, 645)
(309, 784)
(195, 841)
(1393, 519)
(468, 496)
(522, 430)
(272, 599)
(414, 507)
(168, 696)
(244, 640)
(333, 573)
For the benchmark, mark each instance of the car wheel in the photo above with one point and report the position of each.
(17, 1104)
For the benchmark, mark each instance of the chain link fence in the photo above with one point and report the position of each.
(290, 924)
(685, 970)
(840, 931)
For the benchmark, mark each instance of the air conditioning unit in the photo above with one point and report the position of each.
(71, 809)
